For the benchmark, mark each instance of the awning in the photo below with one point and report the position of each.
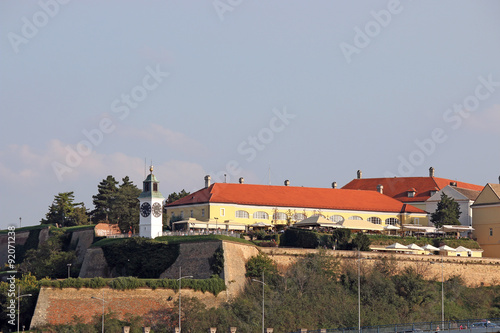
(429, 247)
(419, 228)
(446, 248)
(360, 225)
(260, 225)
(316, 221)
(397, 246)
(459, 228)
(414, 247)
(391, 227)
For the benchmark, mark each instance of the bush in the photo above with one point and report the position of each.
(259, 264)
(300, 238)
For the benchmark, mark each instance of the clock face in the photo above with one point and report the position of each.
(156, 209)
(145, 209)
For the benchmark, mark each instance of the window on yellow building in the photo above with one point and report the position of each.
(491, 231)
(182, 214)
(375, 220)
(391, 221)
(336, 218)
(241, 214)
(355, 217)
(191, 213)
(261, 215)
(298, 216)
(222, 212)
(279, 216)
(203, 212)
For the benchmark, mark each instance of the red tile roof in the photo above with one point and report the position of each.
(397, 187)
(292, 196)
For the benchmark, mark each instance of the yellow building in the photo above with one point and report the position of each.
(486, 220)
(239, 206)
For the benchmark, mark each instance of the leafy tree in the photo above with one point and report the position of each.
(361, 242)
(260, 263)
(49, 259)
(104, 200)
(447, 212)
(174, 196)
(341, 237)
(65, 212)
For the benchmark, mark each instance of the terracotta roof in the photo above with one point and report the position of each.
(397, 187)
(292, 196)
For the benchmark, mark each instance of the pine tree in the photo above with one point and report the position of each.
(65, 212)
(104, 200)
(127, 206)
(447, 212)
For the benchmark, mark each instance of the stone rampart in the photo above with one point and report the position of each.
(474, 271)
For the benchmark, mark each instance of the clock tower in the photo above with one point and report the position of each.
(151, 207)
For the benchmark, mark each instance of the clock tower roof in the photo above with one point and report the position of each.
(150, 188)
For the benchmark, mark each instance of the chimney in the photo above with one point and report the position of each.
(360, 174)
(431, 172)
(498, 179)
(242, 180)
(334, 184)
(380, 188)
(453, 184)
(207, 181)
(287, 182)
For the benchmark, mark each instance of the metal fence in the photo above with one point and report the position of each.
(457, 326)
(201, 233)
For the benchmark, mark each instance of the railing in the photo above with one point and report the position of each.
(201, 233)
(457, 326)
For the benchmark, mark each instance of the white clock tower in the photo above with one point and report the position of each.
(151, 206)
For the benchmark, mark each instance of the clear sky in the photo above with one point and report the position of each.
(309, 91)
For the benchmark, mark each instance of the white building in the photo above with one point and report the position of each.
(463, 196)
(151, 206)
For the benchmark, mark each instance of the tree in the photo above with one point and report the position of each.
(361, 242)
(127, 206)
(447, 212)
(104, 199)
(176, 196)
(117, 203)
(65, 212)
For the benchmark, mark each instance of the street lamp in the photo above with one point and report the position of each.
(359, 290)
(442, 290)
(18, 302)
(216, 225)
(263, 284)
(180, 279)
(69, 267)
(101, 299)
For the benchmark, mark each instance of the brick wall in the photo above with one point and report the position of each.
(59, 306)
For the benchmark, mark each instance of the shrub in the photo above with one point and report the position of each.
(300, 238)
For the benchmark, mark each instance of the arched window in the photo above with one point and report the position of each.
(336, 218)
(391, 221)
(242, 214)
(375, 220)
(279, 216)
(355, 217)
(298, 216)
(261, 215)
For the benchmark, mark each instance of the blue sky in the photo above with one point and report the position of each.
(305, 91)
